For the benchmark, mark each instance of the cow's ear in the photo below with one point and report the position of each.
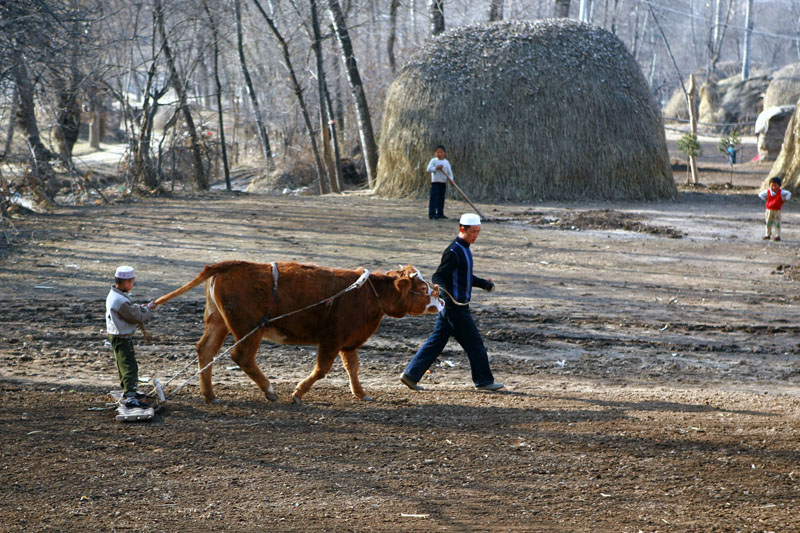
(403, 285)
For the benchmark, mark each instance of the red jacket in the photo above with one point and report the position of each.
(774, 201)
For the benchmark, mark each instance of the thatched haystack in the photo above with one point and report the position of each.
(787, 166)
(784, 89)
(771, 128)
(550, 109)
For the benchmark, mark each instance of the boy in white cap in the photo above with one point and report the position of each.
(455, 277)
(122, 318)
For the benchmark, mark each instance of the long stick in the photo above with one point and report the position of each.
(467, 199)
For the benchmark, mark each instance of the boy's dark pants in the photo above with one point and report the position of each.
(126, 363)
(436, 202)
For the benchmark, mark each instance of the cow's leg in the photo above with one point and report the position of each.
(207, 348)
(326, 355)
(350, 362)
(244, 355)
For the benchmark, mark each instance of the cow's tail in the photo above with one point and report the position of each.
(208, 271)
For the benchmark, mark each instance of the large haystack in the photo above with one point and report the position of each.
(527, 110)
(784, 89)
(787, 165)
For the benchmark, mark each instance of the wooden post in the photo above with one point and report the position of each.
(692, 95)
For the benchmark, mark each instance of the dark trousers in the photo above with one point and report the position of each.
(436, 202)
(458, 323)
(127, 367)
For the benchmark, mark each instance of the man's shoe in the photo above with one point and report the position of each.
(133, 403)
(443, 216)
(410, 383)
(491, 386)
(765, 238)
(776, 239)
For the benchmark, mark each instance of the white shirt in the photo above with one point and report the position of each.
(440, 176)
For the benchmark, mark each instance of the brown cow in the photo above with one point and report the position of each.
(239, 295)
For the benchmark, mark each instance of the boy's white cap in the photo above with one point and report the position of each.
(125, 272)
(470, 219)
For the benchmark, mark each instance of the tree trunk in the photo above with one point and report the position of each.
(298, 91)
(495, 10)
(41, 179)
(748, 31)
(12, 123)
(562, 9)
(692, 94)
(436, 16)
(393, 7)
(218, 84)
(97, 117)
(585, 11)
(201, 179)
(368, 146)
(251, 92)
(331, 164)
(68, 116)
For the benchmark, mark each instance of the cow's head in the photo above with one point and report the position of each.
(416, 295)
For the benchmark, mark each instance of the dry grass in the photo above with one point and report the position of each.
(784, 89)
(528, 111)
(787, 166)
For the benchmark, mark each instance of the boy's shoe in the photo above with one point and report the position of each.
(776, 239)
(765, 238)
(491, 386)
(410, 383)
(134, 403)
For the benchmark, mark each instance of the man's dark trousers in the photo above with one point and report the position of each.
(453, 322)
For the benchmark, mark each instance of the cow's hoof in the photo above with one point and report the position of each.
(297, 400)
(367, 398)
(213, 400)
(271, 396)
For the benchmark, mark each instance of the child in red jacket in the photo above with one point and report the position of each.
(775, 197)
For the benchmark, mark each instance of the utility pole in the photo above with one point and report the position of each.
(748, 30)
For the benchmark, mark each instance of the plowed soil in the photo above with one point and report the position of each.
(649, 353)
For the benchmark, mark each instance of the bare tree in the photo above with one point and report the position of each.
(561, 9)
(215, 47)
(201, 179)
(42, 179)
(393, 7)
(298, 91)
(331, 153)
(251, 92)
(495, 10)
(368, 146)
(436, 16)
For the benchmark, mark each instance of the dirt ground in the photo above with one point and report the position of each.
(649, 352)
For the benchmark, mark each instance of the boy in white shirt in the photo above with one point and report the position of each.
(440, 170)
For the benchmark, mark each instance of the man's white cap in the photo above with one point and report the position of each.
(125, 272)
(470, 219)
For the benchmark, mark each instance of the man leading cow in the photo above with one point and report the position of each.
(454, 276)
